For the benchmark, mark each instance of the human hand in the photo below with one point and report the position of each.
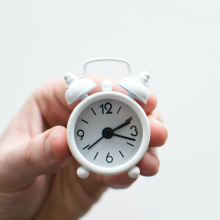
(37, 171)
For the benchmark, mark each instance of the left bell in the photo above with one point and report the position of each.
(77, 88)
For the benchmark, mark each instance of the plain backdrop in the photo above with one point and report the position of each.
(177, 41)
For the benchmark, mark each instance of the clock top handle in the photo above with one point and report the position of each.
(107, 59)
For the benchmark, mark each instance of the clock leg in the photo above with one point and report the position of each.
(82, 172)
(134, 172)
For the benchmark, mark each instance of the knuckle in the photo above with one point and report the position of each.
(159, 134)
(158, 115)
(28, 155)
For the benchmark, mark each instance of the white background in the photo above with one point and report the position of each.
(177, 41)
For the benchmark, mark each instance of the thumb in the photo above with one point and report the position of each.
(43, 154)
(46, 153)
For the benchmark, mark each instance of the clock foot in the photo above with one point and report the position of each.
(134, 172)
(82, 172)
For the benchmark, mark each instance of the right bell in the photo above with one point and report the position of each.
(137, 87)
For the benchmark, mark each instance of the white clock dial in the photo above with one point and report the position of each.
(108, 133)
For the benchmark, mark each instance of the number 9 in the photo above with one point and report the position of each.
(82, 134)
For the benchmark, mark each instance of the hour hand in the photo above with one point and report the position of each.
(128, 121)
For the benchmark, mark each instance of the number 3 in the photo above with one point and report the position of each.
(135, 129)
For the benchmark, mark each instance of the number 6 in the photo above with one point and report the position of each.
(109, 160)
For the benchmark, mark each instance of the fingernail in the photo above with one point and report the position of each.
(48, 148)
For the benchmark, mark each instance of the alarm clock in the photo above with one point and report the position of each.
(108, 132)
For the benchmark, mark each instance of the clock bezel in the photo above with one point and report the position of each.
(71, 130)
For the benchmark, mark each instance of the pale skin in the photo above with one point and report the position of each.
(37, 171)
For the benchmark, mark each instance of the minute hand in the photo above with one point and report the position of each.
(117, 135)
(128, 121)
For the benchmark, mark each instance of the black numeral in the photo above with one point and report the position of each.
(109, 158)
(102, 106)
(135, 129)
(107, 107)
(80, 133)
(110, 107)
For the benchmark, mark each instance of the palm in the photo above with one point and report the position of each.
(60, 193)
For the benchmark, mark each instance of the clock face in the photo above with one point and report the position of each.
(108, 133)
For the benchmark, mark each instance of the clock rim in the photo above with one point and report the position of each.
(71, 130)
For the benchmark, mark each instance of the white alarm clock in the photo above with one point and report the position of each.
(108, 132)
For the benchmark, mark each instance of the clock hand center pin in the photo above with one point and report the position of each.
(109, 133)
